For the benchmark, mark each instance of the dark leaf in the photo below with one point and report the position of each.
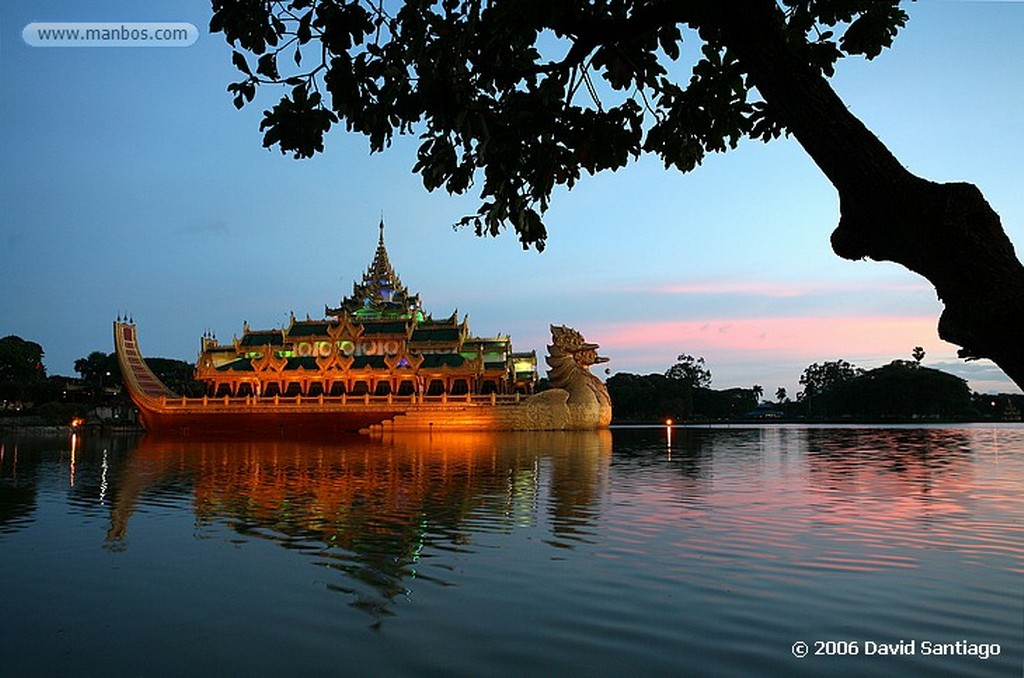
(303, 32)
(267, 65)
(240, 63)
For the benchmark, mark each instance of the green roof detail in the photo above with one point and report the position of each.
(262, 339)
(385, 328)
(442, 359)
(308, 329)
(239, 365)
(438, 334)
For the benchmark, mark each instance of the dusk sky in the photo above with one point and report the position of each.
(131, 184)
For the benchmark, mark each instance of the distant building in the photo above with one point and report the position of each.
(377, 341)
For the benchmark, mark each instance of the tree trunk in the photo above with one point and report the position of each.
(947, 233)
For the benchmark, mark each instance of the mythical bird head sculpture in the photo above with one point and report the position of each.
(570, 356)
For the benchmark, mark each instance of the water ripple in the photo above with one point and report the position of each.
(615, 554)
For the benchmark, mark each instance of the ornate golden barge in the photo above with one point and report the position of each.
(376, 361)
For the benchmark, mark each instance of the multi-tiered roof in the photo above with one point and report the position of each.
(377, 340)
(381, 293)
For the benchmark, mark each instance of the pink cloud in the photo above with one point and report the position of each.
(793, 337)
(775, 288)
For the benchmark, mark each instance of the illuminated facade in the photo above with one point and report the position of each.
(378, 341)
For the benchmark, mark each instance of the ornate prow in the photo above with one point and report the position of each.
(140, 381)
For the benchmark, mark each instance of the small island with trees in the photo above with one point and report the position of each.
(832, 391)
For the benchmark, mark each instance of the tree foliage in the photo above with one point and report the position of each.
(821, 377)
(178, 375)
(691, 371)
(652, 397)
(657, 397)
(900, 390)
(529, 93)
(22, 373)
(99, 369)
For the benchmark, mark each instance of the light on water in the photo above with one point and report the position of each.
(655, 551)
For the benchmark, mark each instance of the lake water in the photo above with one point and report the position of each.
(623, 552)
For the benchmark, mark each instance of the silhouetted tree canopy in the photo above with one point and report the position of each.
(657, 397)
(177, 375)
(22, 373)
(99, 369)
(900, 390)
(652, 397)
(821, 377)
(690, 370)
(530, 94)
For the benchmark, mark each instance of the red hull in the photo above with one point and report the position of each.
(261, 421)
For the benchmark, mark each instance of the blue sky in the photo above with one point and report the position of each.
(131, 183)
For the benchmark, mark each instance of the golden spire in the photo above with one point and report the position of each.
(380, 278)
(380, 291)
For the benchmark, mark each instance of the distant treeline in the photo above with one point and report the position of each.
(903, 390)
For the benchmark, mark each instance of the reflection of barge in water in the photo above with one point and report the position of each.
(337, 488)
(376, 360)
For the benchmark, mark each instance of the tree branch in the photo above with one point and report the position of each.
(947, 233)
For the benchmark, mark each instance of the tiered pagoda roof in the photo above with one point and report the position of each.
(380, 295)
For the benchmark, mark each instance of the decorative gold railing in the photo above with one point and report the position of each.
(345, 400)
